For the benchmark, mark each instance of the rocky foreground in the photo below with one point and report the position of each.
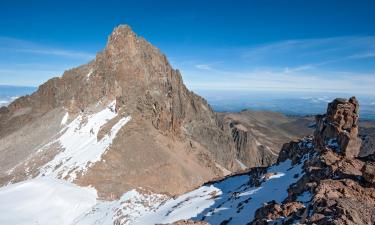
(338, 187)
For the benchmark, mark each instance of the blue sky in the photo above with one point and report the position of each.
(218, 45)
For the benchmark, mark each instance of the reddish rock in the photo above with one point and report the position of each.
(341, 185)
(338, 128)
(368, 172)
(273, 211)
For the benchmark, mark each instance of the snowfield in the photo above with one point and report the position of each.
(43, 201)
(81, 147)
(234, 199)
(49, 201)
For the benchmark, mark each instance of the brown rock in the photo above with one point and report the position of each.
(274, 211)
(338, 128)
(368, 172)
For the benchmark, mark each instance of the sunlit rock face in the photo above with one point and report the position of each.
(338, 128)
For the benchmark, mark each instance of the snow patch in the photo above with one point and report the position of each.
(243, 166)
(123, 211)
(81, 147)
(44, 201)
(89, 74)
(65, 118)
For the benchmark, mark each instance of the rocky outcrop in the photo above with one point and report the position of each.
(368, 171)
(273, 211)
(338, 128)
(337, 187)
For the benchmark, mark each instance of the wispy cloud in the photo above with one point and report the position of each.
(282, 80)
(24, 62)
(203, 67)
(59, 52)
(317, 52)
(337, 64)
(13, 45)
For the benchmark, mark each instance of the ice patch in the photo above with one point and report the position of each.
(243, 166)
(81, 147)
(44, 201)
(65, 119)
(89, 74)
(275, 175)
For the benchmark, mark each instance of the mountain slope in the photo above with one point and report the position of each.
(171, 144)
(317, 180)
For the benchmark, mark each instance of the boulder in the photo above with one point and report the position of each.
(368, 172)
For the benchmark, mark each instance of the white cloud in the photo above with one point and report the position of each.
(286, 80)
(28, 63)
(59, 52)
(323, 64)
(13, 45)
(321, 51)
(203, 67)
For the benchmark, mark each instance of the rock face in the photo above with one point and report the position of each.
(337, 187)
(368, 171)
(249, 151)
(172, 143)
(339, 126)
(260, 135)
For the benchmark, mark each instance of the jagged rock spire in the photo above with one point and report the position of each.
(338, 128)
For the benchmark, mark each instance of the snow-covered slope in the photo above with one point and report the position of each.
(234, 200)
(43, 201)
(80, 145)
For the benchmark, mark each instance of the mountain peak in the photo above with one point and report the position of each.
(122, 39)
(122, 30)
